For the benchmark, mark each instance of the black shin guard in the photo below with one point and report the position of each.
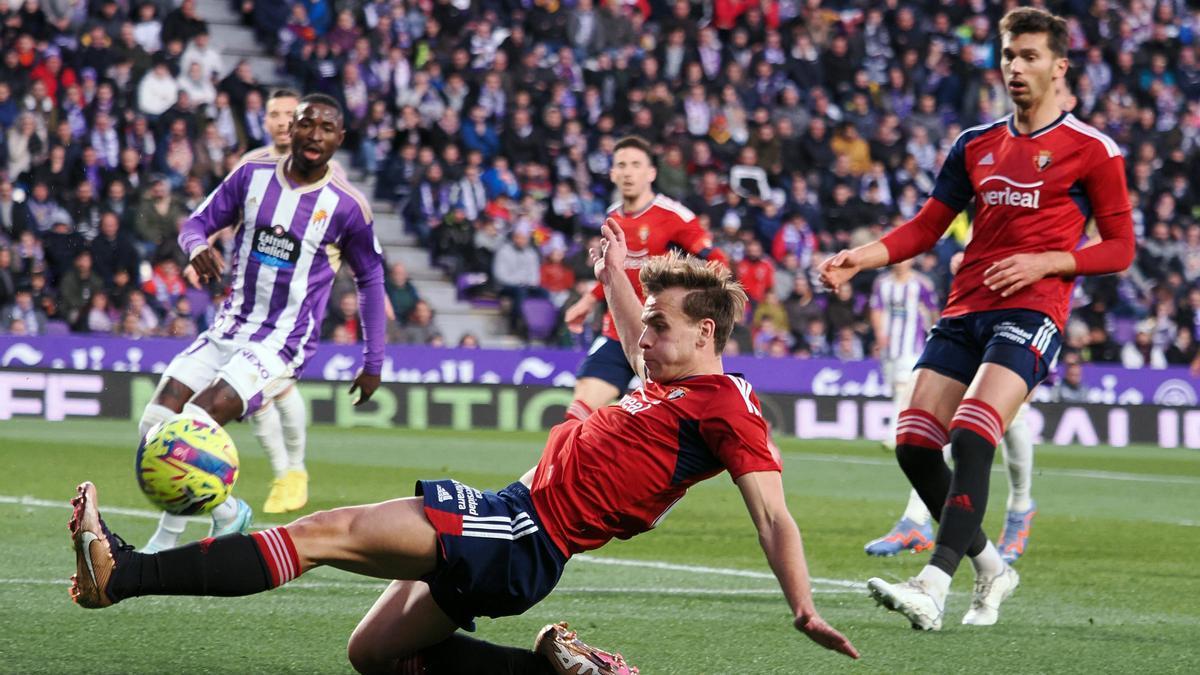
(461, 654)
(929, 475)
(966, 501)
(226, 566)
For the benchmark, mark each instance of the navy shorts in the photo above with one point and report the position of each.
(494, 557)
(1022, 340)
(606, 361)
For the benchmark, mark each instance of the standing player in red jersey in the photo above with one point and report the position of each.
(653, 224)
(460, 553)
(1036, 177)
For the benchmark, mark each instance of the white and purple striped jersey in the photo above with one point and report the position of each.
(288, 245)
(908, 311)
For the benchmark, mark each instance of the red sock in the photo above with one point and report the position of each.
(279, 553)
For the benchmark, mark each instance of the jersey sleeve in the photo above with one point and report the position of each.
(1109, 196)
(364, 254)
(736, 432)
(953, 187)
(693, 238)
(215, 213)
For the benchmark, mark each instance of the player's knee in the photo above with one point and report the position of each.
(152, 415)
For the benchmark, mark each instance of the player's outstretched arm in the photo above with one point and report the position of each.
(780, 538)
(916, 236)
(623, 301)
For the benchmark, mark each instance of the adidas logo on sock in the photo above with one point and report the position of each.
(442, 494)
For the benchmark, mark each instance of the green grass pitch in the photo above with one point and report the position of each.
(1110, 583)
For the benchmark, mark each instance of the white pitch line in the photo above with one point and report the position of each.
(1068, 473)
(700, 569)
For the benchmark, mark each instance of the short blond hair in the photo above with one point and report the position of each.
(711, 291)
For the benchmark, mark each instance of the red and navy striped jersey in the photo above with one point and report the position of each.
(1033, 193)
(619, 472)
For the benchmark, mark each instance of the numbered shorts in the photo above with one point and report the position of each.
(606, 361)
(1022, 340)
(494, 557)
(255, 372)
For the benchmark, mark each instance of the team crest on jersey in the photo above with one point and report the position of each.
(644, 232)
(320, 217)
(1042, 160)
(676, 394)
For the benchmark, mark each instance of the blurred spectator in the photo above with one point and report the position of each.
(8, 281)
(468, 341)
(15, 217)
(755, 273)
(400, 291)
(32, 319)
(158, 90)
(419, 329)
(100, 317)
(145, 320)
(1142, 352)
(516, 271)
(166, 282)
(343, 315)
(1071, 388)
(156, 218)
(557, 279)
(1183, 350)
(77, 288)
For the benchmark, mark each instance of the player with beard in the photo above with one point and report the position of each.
(295, 220)
(1036, 176)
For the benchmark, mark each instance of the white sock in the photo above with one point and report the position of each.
(225, 512)
(269, 431)
(152, 415)
(199, 413)
(916, 510)
(936, 582)
(988, 563)
(169, 530)
(1017, 449)
(294, 416)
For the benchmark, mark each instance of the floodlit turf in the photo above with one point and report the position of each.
(1110, 583)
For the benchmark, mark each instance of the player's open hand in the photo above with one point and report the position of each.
(825, 635)
(840, 268)
(610, 259)
(1018, 271)
(365, 385)
(208, 264)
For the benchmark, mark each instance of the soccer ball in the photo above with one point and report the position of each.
(187, 466)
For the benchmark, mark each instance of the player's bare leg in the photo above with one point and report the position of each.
(590, 393)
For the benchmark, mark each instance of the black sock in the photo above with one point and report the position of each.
(461, 654)
(966, 500)
(930, 477)
(226, 566)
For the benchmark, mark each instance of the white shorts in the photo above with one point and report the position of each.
(256, 373)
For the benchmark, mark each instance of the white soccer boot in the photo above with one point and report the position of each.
(911, 599)
(987, 596)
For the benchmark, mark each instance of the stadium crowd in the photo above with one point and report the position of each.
(791, 128)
